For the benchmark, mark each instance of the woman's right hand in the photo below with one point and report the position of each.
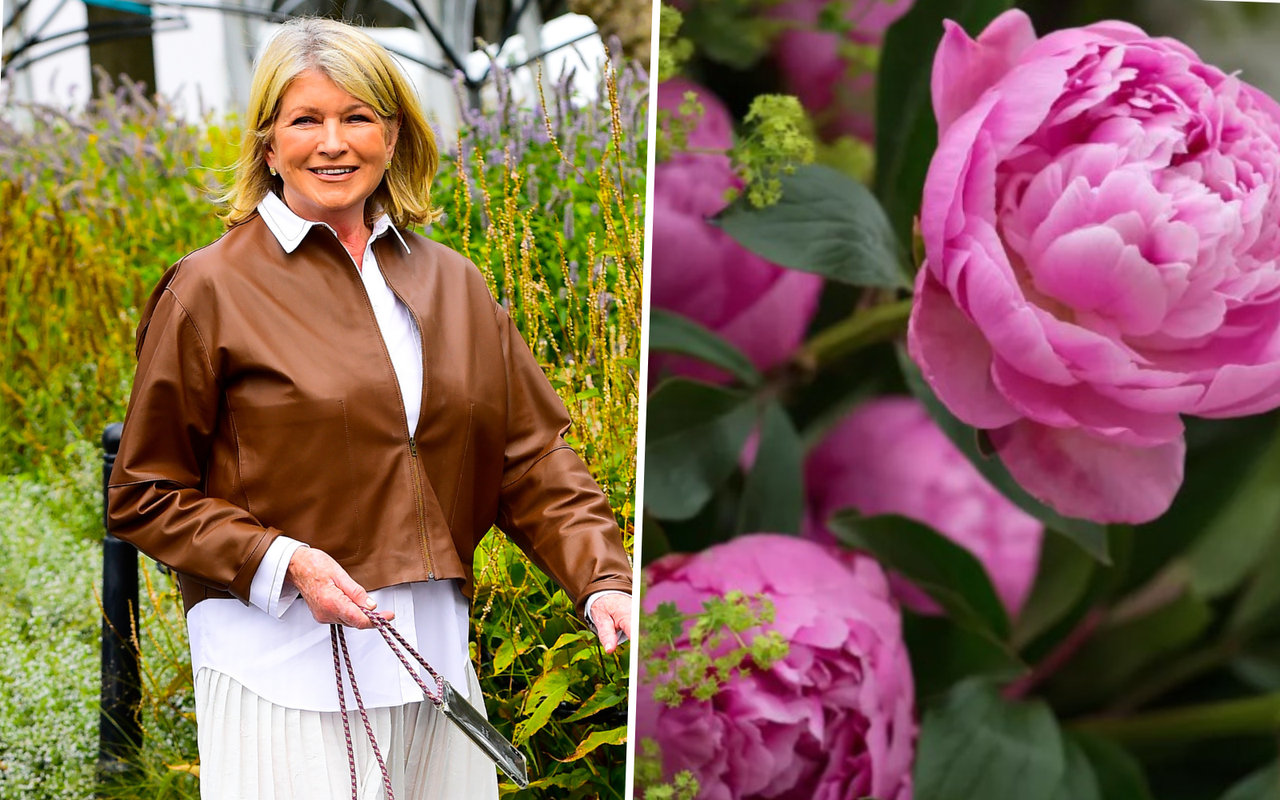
(329, 591)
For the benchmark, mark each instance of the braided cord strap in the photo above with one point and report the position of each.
(388, 632)
(338, 640)
(342, 707)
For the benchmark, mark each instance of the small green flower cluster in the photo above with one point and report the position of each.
(649, 776)
(674, 129)
(779, 138)
(673, 51)
(707, 658)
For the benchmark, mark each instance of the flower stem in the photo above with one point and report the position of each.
(865, 327)
(1254, 716)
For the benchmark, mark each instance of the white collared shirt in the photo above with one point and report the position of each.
(273, 646)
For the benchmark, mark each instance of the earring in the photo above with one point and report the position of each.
(388, 165)
(272, 170)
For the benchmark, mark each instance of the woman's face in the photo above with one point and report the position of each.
(330, 149)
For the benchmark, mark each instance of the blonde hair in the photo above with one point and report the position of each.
(361, 68)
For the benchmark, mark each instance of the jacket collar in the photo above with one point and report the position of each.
(290, 229)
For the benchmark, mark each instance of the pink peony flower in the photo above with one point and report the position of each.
(839, 94)
(1100, 225)
(699, 271)
(888, 457)
(833, 720)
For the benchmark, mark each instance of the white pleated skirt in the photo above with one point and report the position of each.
(251, 749)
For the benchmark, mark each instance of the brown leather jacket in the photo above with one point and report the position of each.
(265, 403)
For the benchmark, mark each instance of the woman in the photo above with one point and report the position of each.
(329, 406)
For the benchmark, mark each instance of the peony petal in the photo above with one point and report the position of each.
(1237, 391)
(954, 357)
(1092, 269)
(1079, 406)
(1082, 476)
(963, 68)
(771, 328)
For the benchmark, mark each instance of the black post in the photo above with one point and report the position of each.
(119, 733)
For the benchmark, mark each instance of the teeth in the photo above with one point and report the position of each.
(337, 171)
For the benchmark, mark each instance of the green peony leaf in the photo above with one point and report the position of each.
(977, 745)
(950, 574)
(773, 499)
(673, 333)
(826, 223)
(695, 434)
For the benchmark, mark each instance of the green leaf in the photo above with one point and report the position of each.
(944, 653)
(977, 745)
(1221, 455)
(732, 33)
(1079, 781)
(605, 697)
(1255, 611)
(1235, 543)
(906, 131)
(950, 574)
(773, 499)
(569, 648)
(613, 736)
(695, 434)
(654, 544)
(672, 333)
(563, 780)
(1118, 652)
(507, 652)
(1090, 536)
(543, 698)
(826, 223)
(1258, 667)
(1261, 785)
(1119, 774)
(1062, 579)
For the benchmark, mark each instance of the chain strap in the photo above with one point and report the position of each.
(339, 642)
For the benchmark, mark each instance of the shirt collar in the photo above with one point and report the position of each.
(290, 229)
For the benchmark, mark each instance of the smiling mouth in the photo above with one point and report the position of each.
(333, 170)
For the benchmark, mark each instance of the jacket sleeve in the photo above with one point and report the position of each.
(549, 504)
(155, 497)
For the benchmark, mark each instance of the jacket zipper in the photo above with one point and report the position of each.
(415, 467)
(420, 501)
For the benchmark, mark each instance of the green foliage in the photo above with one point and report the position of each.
(976, 744)
(736, 33)
(93, 208)
(695, 433)
(49, 628)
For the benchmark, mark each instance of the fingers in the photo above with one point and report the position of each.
(607, 631)
(329, 592)
(353, 590)
(624, 621)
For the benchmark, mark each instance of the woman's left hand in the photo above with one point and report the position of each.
(611, 614)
